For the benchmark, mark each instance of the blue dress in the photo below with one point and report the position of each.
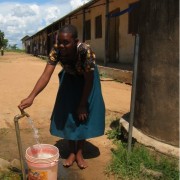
(64, 120)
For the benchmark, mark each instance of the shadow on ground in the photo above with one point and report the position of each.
(90, 150)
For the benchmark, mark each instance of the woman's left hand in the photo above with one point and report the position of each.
(82, 113)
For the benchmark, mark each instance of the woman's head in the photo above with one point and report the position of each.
(67, 40)
(69, 29)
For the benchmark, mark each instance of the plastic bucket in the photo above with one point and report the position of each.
(42, 161)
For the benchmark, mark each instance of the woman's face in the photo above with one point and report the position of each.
(67, 44)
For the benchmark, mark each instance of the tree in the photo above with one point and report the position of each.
(3, 41)
(14, 46)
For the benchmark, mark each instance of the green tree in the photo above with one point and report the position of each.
(14, 46)
(3, 41)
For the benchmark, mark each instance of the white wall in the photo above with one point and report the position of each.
(97, 44)
(78, 22)
(126, 41)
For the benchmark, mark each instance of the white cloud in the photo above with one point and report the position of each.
(20, 19)
(77, 3)
(24, 11)
(52, 14)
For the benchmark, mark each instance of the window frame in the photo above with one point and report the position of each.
(98, 26)
(88, 29)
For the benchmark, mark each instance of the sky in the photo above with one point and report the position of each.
(19, 18)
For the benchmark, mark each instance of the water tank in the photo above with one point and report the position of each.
(157, 94)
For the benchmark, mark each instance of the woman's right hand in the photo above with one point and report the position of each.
(25, 103)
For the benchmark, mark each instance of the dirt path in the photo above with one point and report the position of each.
(18, 75)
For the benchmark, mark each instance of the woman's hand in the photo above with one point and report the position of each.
(25, 103)
(40, 85)
(82, 113)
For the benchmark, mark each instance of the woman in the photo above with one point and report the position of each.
(79, 111)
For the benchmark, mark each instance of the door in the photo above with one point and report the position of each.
(114, 37)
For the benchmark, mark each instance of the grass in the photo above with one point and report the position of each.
(15, 50)
(141, 163)
(10, 176)
(103, 75)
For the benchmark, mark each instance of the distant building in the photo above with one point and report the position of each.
(25, 43)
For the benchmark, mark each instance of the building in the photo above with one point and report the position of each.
(25, 42)
(108, 26)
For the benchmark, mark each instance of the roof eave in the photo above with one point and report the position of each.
(69, 14)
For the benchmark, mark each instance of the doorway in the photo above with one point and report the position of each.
(114, 38)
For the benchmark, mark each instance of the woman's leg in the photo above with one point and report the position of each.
(79, 156)
(72, 156)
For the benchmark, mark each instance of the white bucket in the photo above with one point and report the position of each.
(42, 161)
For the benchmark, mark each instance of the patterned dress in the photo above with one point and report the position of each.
(64, 120)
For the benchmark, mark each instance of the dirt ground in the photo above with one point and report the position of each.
(18, 75)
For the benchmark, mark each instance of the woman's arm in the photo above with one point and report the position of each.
(40, 85)
(88, 84)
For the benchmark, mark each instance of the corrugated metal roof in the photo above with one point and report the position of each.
(69, 14)
(25, 37)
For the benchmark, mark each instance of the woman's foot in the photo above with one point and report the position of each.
(80, 161)
(70, 160)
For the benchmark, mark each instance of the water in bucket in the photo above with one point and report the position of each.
(42, 165)
(42, 159)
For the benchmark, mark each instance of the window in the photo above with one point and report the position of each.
(88, 30)
(98, 27)
(133, 18)
(63, 22)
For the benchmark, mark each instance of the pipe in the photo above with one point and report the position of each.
(133, 91)
(16, 118)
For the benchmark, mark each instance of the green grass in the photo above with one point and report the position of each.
(103, 75)
(15, 50)
(130, 166)
(10, 176)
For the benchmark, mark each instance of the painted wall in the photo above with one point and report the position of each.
(97, 44)
(78, 22)
(126, 41)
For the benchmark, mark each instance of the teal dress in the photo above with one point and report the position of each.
(64, 120)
